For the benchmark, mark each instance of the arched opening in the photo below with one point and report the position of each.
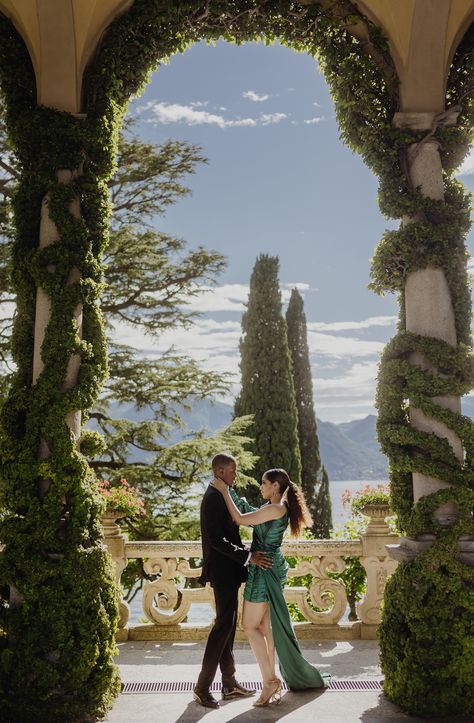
(277, 178)
(406, 157)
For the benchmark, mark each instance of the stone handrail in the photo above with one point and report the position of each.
(166, 602)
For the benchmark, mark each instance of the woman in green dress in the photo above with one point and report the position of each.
(266, 618)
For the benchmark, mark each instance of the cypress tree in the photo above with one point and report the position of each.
(267, 385)
(322, 521)
(318, 500)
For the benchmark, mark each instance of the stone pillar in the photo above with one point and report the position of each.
(378, 567)
(49, 235)
(429, 312)
(115, 542)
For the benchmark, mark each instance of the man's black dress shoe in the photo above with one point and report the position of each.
(235, 690)
(203, 697)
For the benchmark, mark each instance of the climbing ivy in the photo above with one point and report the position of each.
(57, 630)
(58, 608)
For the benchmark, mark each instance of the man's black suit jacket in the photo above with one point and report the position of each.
(224, 556)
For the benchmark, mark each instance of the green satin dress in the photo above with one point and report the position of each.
(267, 586)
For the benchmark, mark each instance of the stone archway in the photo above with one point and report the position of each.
(66, 151)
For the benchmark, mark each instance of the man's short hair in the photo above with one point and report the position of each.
(222, 460)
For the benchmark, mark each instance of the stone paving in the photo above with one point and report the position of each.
(180, 661)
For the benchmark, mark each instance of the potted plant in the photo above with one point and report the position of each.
(372, 502)
(122, 500)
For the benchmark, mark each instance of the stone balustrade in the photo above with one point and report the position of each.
(171, 590)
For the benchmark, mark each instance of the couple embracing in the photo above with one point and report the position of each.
(226, 564)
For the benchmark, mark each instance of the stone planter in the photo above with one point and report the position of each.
(109, 522)
(376, 512)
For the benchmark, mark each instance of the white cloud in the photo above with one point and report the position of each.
(324, 342)
(344, 366)
(233, 297)
(176, 113)
(214, 344)
(267, 118)
(470, 266)
(199, 103)
(467, 168)
(286, 289)
(201, 340)
(300, 285)
(359, 379)
(348, 395)
(316, 104)
(342, 346)
(228, 297)
(311, 121)
(352, 325)
(193, 114)
(255, 97)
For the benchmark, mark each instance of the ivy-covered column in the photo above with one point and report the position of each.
(49, 234)
(429, 312)
(58, 602)
(428, 618)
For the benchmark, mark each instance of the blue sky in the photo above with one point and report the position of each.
(279, 181)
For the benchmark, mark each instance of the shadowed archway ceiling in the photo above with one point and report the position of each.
(62, 35)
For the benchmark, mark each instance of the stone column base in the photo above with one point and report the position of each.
(121, 636)
(369, 632)
(408, 549)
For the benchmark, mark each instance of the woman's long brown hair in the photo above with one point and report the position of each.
(297, 509)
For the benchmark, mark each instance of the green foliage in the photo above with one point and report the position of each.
(429, 609)
(148, 178)
(353, 576)
(314, 481)
(267, 390)
(61, 641)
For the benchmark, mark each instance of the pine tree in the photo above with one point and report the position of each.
(314, 482)
(267, 386)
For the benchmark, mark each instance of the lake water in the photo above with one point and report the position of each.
(201, 614)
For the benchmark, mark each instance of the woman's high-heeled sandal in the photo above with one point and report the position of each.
(273, 697)
(276, 698)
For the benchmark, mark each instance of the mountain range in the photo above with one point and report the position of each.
(349, 450)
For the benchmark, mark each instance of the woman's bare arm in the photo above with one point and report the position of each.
(264, 514)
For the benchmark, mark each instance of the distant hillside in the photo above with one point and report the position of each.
(206, 415)
(349, 450)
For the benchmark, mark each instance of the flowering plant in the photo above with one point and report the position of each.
(121, 497)
(368, 495)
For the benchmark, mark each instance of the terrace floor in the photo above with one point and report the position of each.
(171, 668)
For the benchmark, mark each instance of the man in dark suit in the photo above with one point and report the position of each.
(225, 561)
